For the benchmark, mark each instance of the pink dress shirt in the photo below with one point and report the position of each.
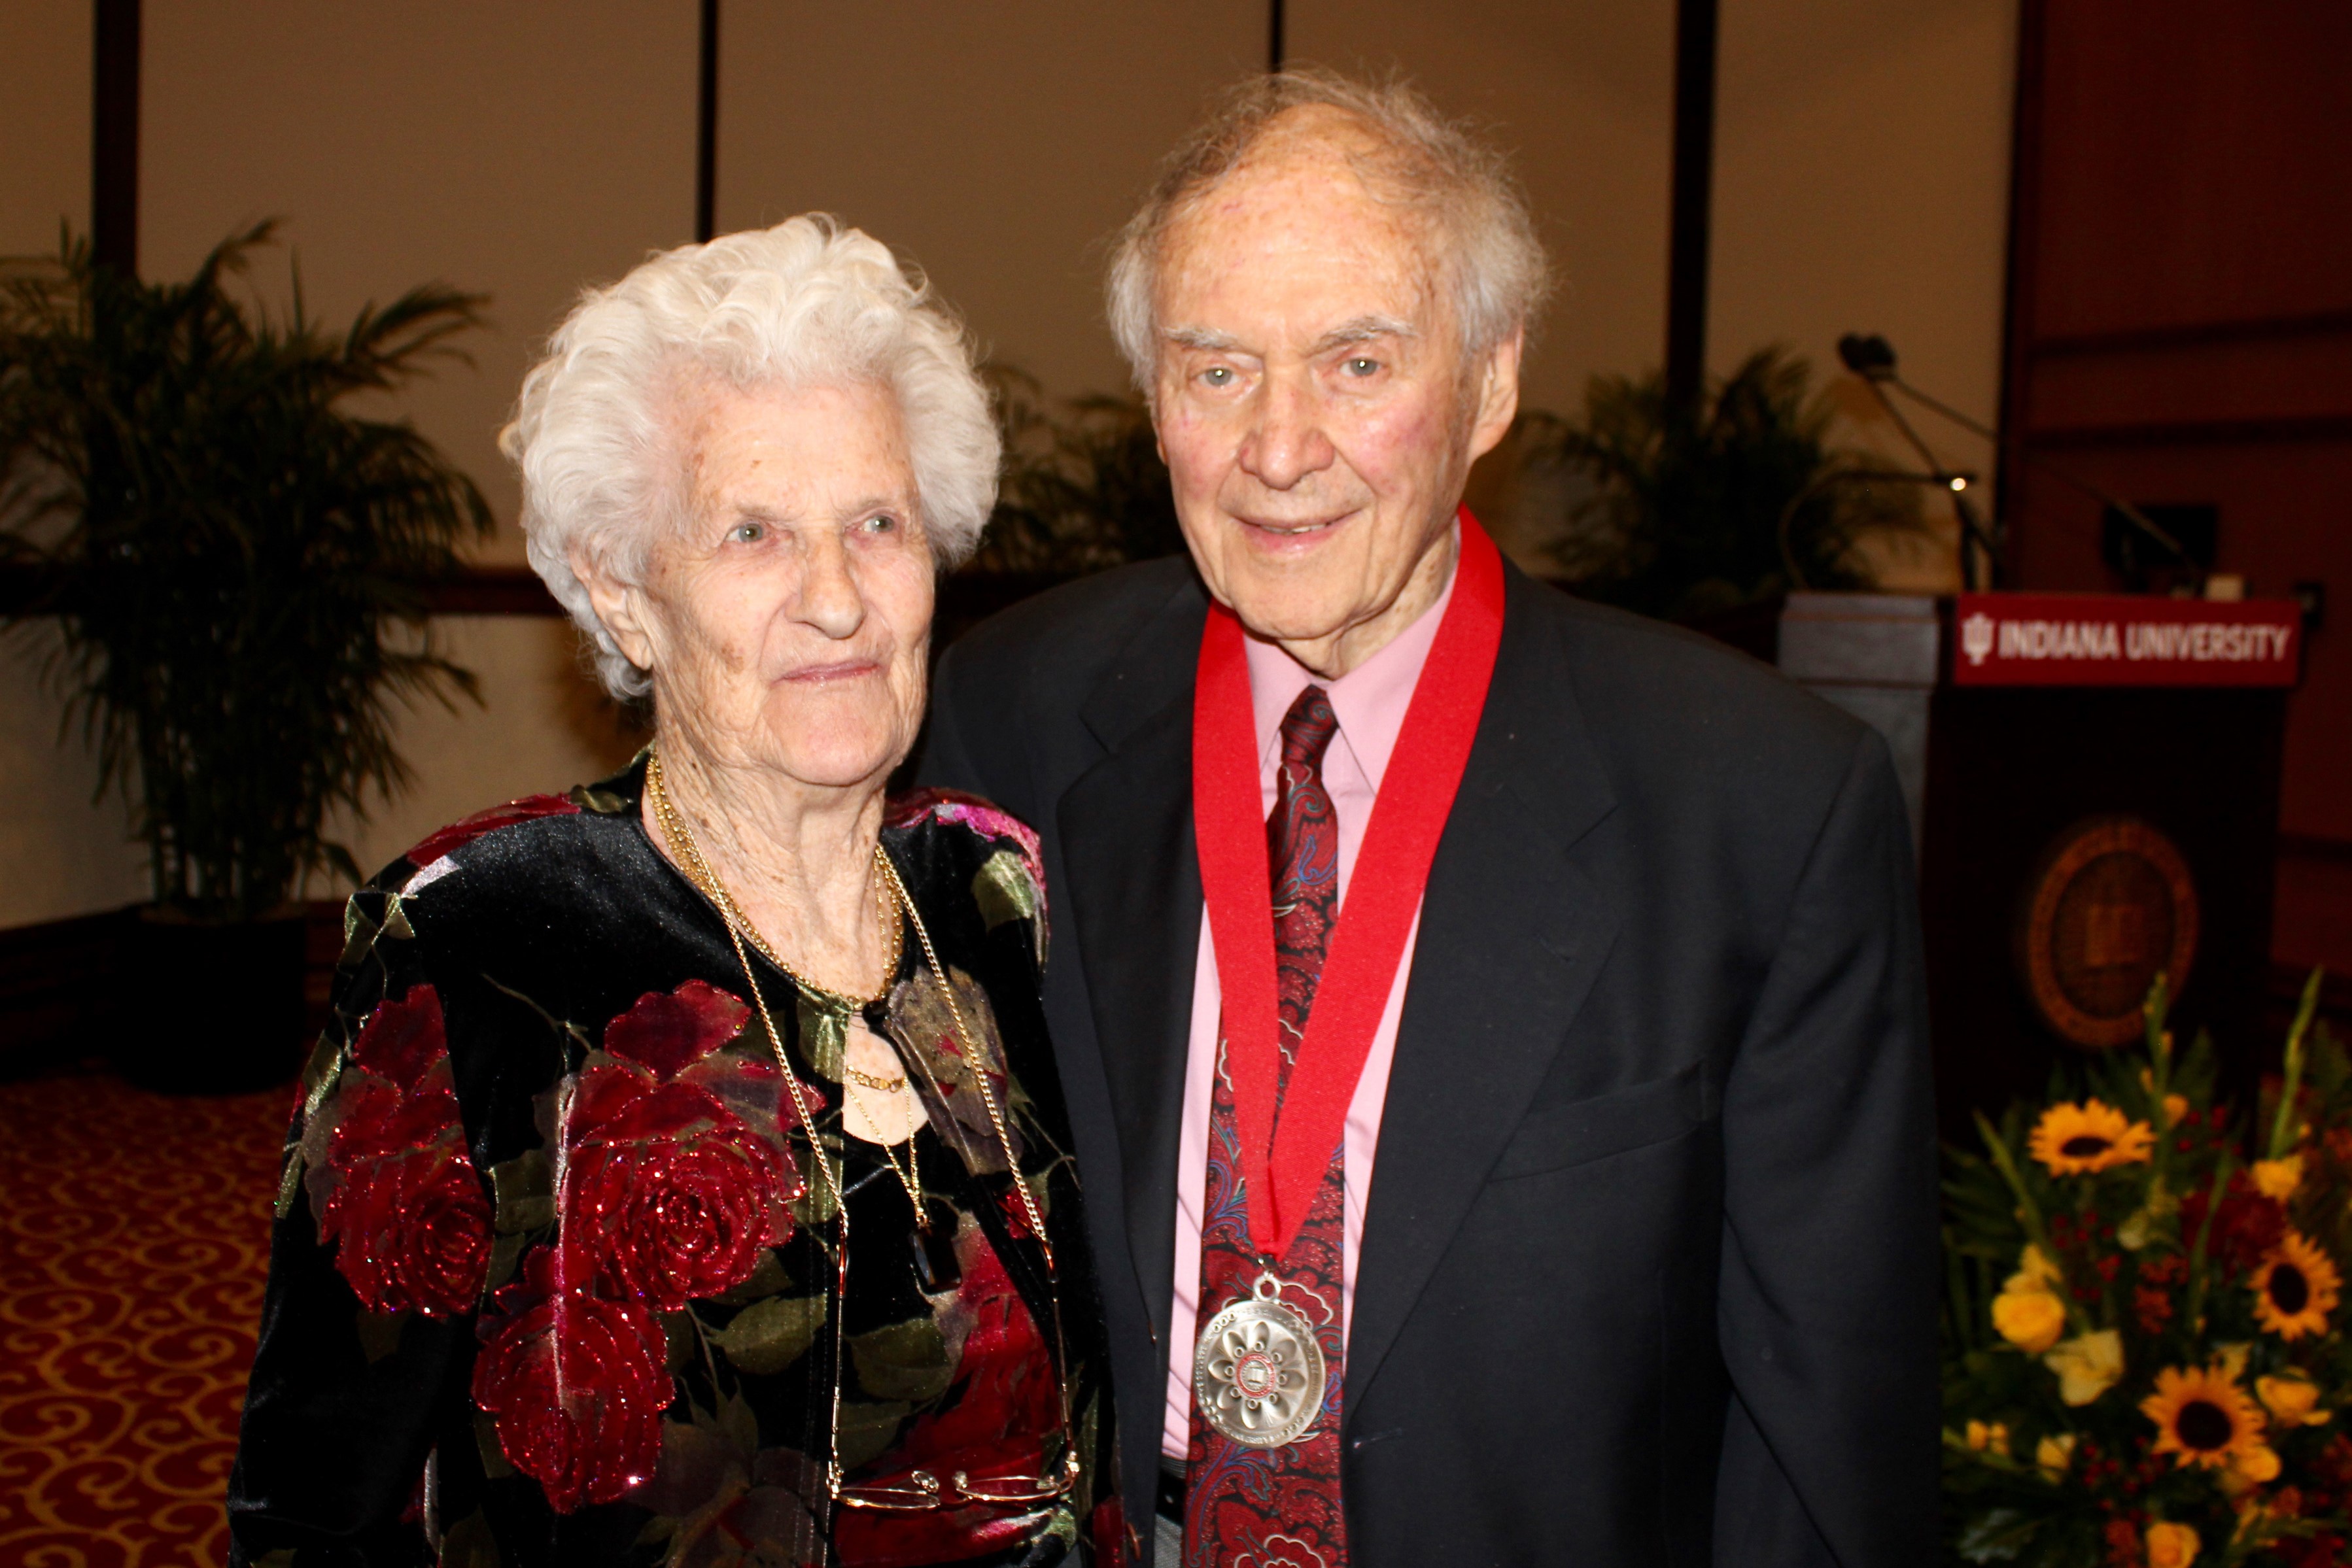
(1369, 701)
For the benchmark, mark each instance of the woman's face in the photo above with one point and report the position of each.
(786, 625)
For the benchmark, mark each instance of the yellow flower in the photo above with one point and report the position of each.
(2171, 1545)
(2277, 1180)
(2054, 1455)
(2256, 1467)
(2085, 1139)
(2292, 1400)
(2034, 1269)
(2028, 1313)
(1988, 1438)
(2087, 1365)
(2203, 1417)
(2031, 1319)
(2295, 1288)
(2175, 1105)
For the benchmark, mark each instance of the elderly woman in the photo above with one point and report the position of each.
(684, 1178)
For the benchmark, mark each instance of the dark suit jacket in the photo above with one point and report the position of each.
(1648, 1269)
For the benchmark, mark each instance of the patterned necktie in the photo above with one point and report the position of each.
(1278, 1508)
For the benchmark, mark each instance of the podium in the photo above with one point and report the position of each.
(2094, 783)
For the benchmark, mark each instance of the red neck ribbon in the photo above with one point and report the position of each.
(1281, 1166)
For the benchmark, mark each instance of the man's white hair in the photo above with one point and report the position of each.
(598, 432)
(1480, 237)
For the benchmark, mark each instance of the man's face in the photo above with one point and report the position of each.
(1312, 401)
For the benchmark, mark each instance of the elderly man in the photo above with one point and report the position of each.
(1493, 1024)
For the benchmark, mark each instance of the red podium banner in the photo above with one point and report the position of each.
(2119, 640)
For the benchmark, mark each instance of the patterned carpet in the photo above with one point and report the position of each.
(133, 1246)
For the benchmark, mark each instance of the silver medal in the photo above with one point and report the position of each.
(1258, 1372)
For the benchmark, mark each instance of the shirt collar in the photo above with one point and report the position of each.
(1369, 700)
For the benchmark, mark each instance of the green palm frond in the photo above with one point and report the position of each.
(1749, 497)
(238, 560)
(1083, 485)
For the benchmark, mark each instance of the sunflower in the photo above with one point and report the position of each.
(2203, 1416)
(2295, 1290)
(2083, 1140)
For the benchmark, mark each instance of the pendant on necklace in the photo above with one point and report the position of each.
(938, 1269)
(1258, 1372)
(886, 1116)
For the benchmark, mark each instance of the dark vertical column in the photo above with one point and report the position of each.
(1274, 54)
(114, 134)
(706, 127)
(1694, 178)
(2009, 475)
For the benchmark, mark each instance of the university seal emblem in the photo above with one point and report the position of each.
(2112, 906)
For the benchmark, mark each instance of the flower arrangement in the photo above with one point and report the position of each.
(2145, 1359)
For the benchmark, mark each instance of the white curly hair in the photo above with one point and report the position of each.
(809, 302)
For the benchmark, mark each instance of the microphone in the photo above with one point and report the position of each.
(1871, 356)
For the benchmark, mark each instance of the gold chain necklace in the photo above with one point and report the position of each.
(675, 828)
(924, 1490)
(740, 927)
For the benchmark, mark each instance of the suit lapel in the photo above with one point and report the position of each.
(1135, 891)
(1512, 936)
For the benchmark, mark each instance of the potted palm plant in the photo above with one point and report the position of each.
(237, 558)
(1690, 513)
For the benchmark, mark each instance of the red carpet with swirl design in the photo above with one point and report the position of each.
(134, 1247)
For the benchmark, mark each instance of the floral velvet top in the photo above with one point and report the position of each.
(553, 1279)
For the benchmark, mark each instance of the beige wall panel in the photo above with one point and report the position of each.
(544, 725)
(44, 75)
(523, 150)
(1582, 94)
(1862, 184)
(520, 150)
(996, 145)
(62, 852)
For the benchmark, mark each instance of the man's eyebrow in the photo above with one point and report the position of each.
(1363, 330)
(1203, 338)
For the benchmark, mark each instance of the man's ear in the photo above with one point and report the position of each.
(621, 606)
(1498, 394)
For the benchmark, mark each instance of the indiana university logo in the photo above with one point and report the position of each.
(1976, 637)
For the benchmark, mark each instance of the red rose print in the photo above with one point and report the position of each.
(456, 835)
(993, 1422)
(397, 1196)
(415, 1234)
(1109, 1530)
(670, 1032)
(667, 1194)
(575, 1384)
(377, 1121)
(401, 1040)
